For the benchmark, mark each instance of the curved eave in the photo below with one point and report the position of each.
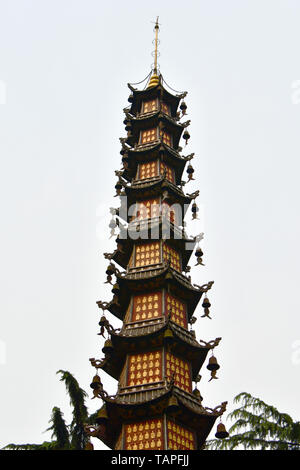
(132, 339)
(149, 280)
(126, 409)
(147, 153)
(142, 190)
(147, 228)
(154, 92)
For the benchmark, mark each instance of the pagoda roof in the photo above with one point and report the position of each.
(159, 91)
(139, 336)
(148, 121)
(141, 190)
(126, 408)
(138, 281)
(147, 227)
(143, 153)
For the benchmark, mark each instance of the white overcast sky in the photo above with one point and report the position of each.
(64, 66)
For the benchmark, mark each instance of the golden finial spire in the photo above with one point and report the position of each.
(154, 80)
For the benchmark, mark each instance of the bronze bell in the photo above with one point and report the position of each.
(130, 98)
(190, 169)
(172, 405)
(96, 382)
(102, 416)
(183, 106)
(186, 136)
(221, 431)
(118, 186)
(89, 446)
(194, 208)
(102, 321)
(213, 363)
(168, 335)
(108, 347)
(198, 253)
(110, 269)
(206, 303)
(116, 289)
(197, 394)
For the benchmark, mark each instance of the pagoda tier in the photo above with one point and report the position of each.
(153, 334)
(157, 93)
(151, 280)
(158, 152)
(155, 228)
(161, 418)
(159, 187)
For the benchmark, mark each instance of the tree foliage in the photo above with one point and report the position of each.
(65, 436)
(259, 426)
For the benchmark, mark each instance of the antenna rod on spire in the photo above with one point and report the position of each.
(156, 27)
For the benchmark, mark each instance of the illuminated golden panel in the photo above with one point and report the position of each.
(169, 171)
(144, 368)
(179, 437)
(146, 307)
(177, 309)
(148, 209)
(172, 255)
(169, 212)
(149, 135)
(148, 170)
(166, 138)
(145, 435)
(149, 106)
(180, 370)
(147, 254)
(165, 108)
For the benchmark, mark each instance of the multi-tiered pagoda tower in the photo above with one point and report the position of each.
(155, 356)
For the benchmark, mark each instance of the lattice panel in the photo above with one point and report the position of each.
(149, 106)
(169, 172)
(144, 368)
(148, 209)
(179, 437)
(149, 135)
(166, 138)
(181, 371)
(165, 108)
(145, 435)
(148, 170)
(177, 309)
(147, 254)
(172, 255)
(146, 307)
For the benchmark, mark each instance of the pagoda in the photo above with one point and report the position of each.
(154, 356)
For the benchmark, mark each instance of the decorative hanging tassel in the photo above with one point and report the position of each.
(206, 304)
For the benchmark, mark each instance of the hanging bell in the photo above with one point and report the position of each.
(96, 382)
(128, 126)
(102, 321)
(197, 394)
(89, 446)
(130, 98)
(213, 364)
(116, 289)
(102, 416)
(108, 347)
(206, 303)
(198, 253)
(168, 336)
(110, 269)
(190, 170)
(221, 431)
(172, 405)
(112, 224)
(118, 187)
(186, 136)
(183, 107)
